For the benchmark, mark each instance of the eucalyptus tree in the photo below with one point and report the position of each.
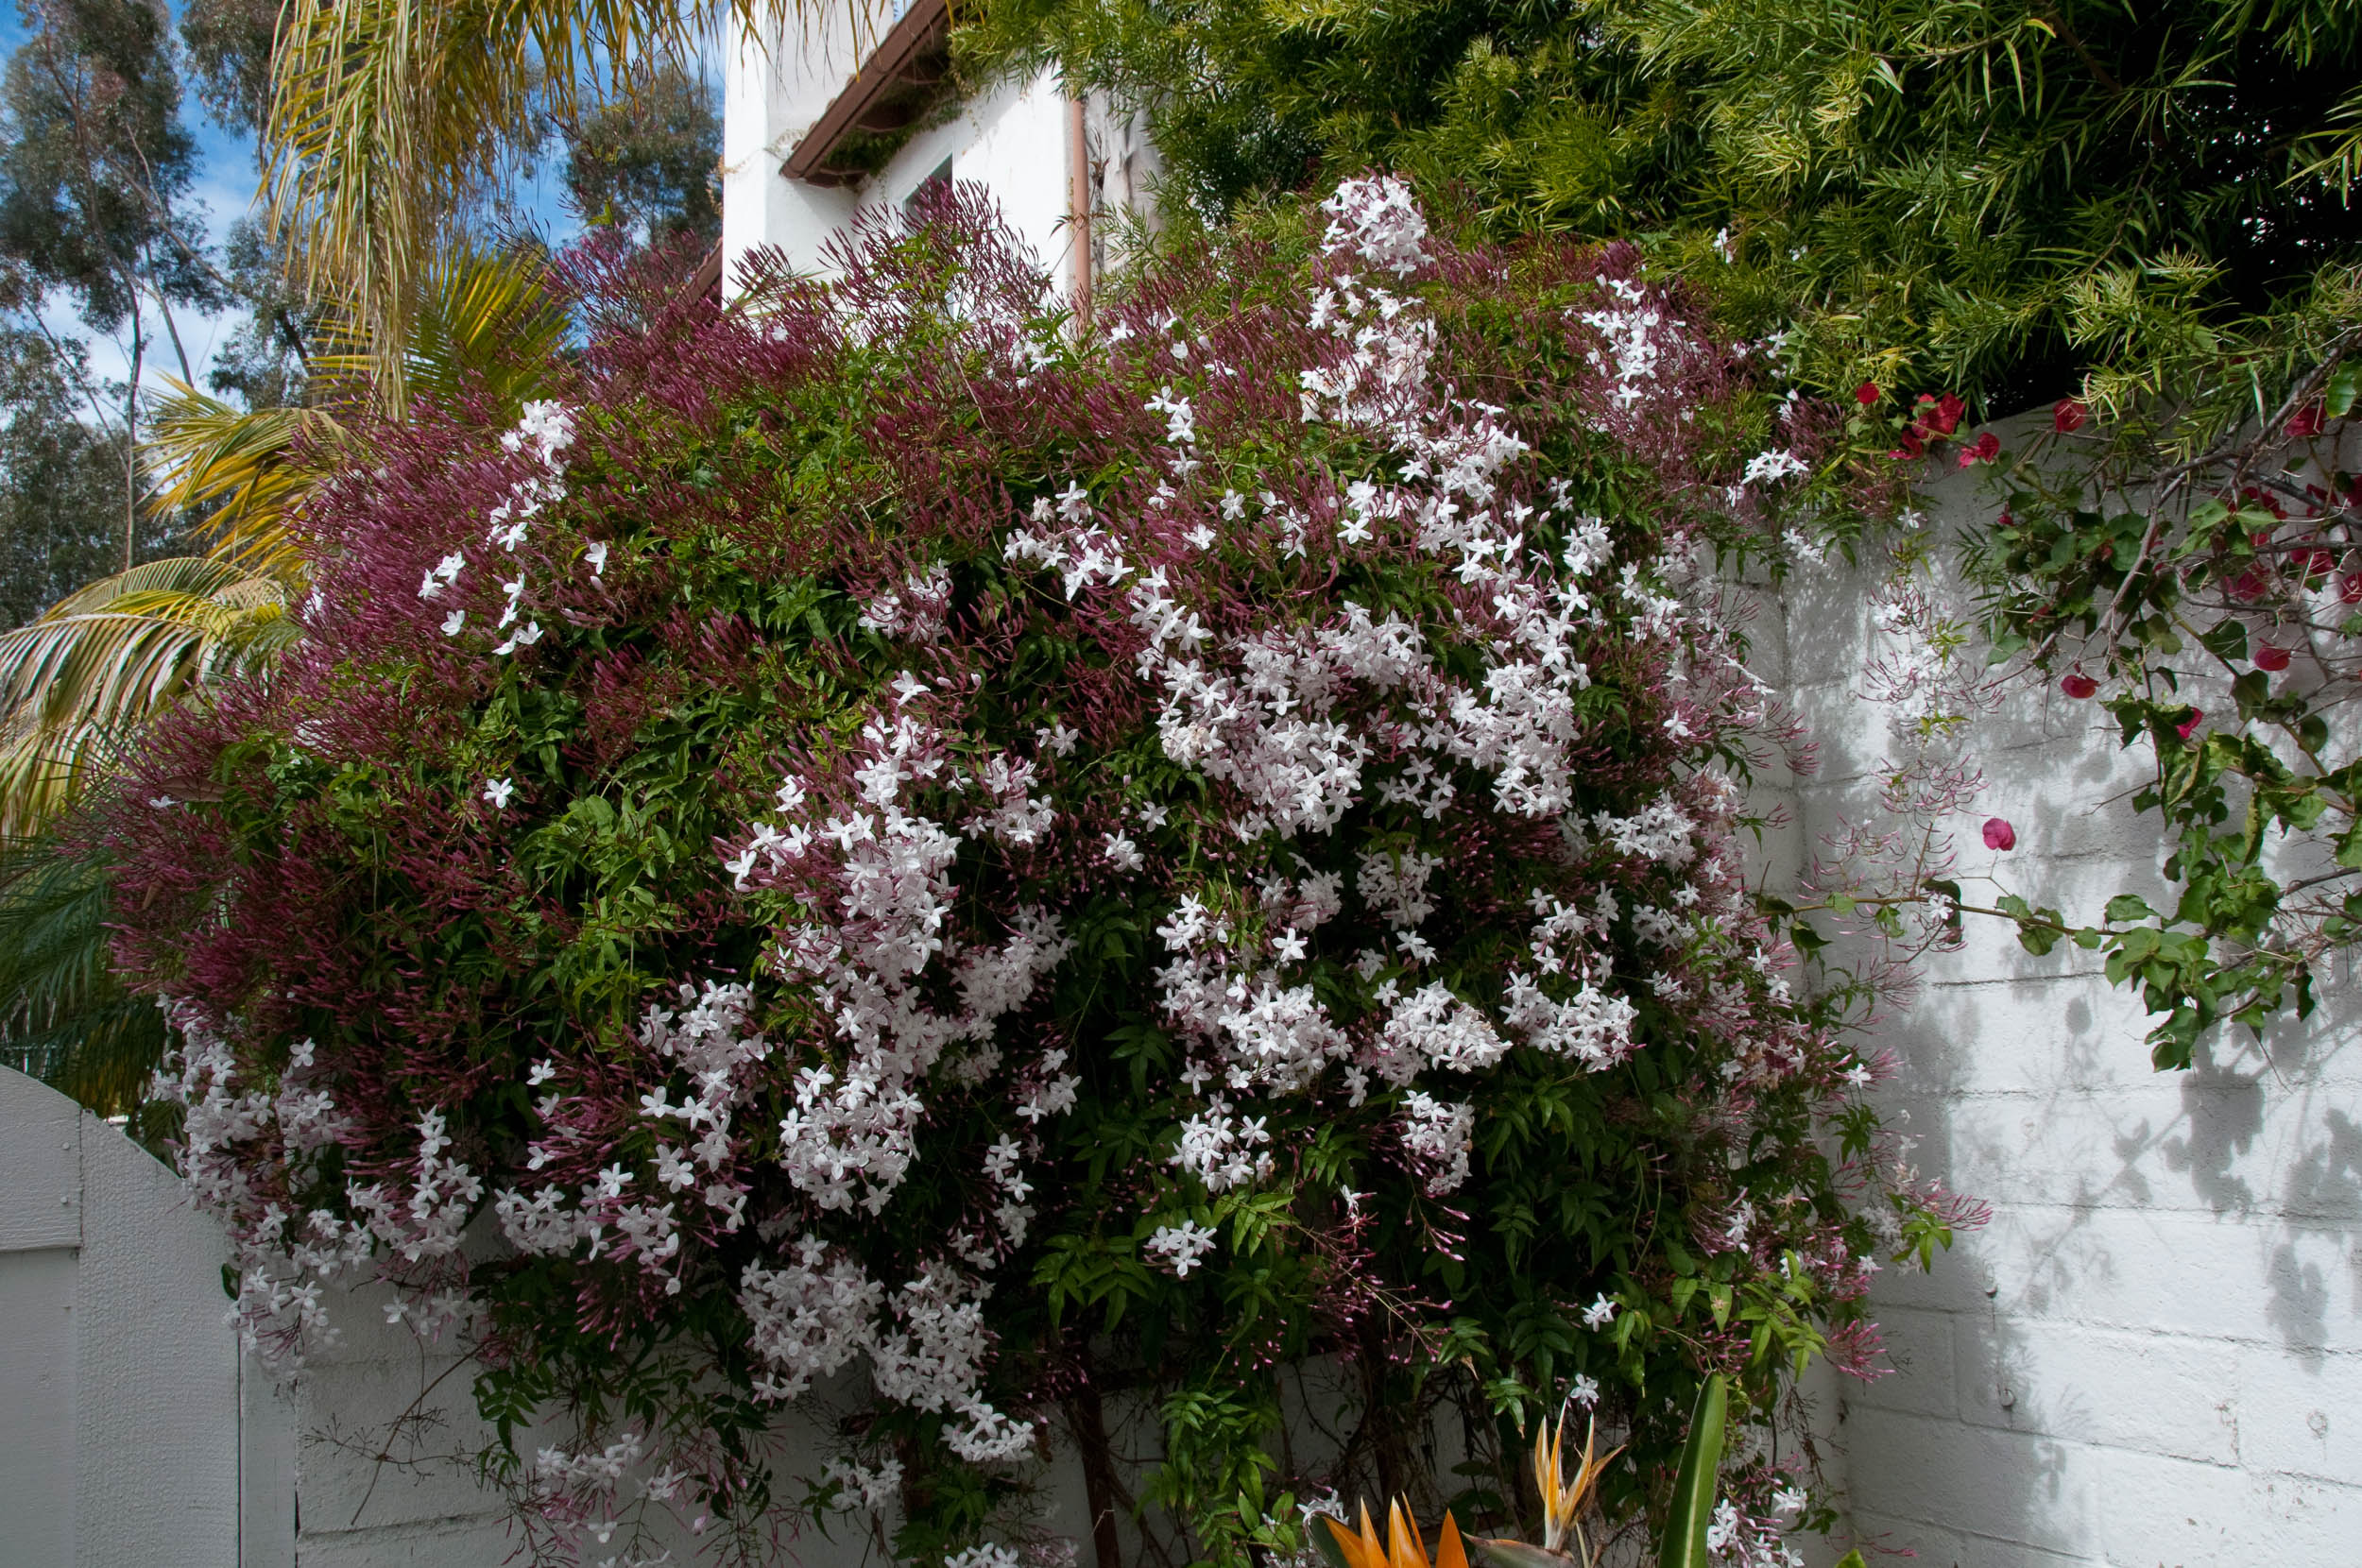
(95, 166)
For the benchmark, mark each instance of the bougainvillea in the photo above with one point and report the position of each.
(885, 847)
(2200, 590)
(2211, 586)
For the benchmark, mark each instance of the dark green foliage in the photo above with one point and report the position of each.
(64, 1015)
(2003, 196)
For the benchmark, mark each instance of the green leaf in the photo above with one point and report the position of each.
(2037, 939)
(2338, 400)
(1697, 1481)
(2226, 639)
(2125, 906)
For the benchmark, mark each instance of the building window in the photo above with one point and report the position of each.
(938, 179)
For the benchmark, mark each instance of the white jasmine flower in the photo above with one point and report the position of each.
(1182, 1245)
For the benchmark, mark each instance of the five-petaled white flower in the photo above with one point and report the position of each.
(1599, 1313)
(498, 791)
(1182, 1245)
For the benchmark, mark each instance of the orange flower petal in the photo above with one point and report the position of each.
(1448, 1552)
(1406, 1549)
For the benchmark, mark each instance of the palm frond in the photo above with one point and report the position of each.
(244, 463)
(481, 321)
(64, 1017)
(105, 658)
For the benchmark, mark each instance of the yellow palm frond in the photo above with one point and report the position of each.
(108, 657)
(485, 322)
(205, 453)
(481, 321)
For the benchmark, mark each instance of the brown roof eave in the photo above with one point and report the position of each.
(909, 56)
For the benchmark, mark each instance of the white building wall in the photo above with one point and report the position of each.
(773, 89)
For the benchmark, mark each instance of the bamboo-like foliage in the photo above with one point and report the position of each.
(2139, 205)
(391, 116)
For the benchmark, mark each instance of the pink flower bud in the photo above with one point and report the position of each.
(2271, 655)
(2068, 414)
(2189, 725)
(1999, 834)
(1866, 394)
(2079, 686)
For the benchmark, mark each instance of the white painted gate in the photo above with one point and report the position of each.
(129, 1435)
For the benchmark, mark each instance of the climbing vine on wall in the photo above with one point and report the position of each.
(880, 851)
(2199, 583)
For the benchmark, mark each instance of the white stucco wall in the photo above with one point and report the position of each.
(1013, 138)
(772, 89)
(2154, 1354)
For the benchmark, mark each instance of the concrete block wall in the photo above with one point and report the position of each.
(2152, 1356)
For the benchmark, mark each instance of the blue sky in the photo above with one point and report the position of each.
(224, 191)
